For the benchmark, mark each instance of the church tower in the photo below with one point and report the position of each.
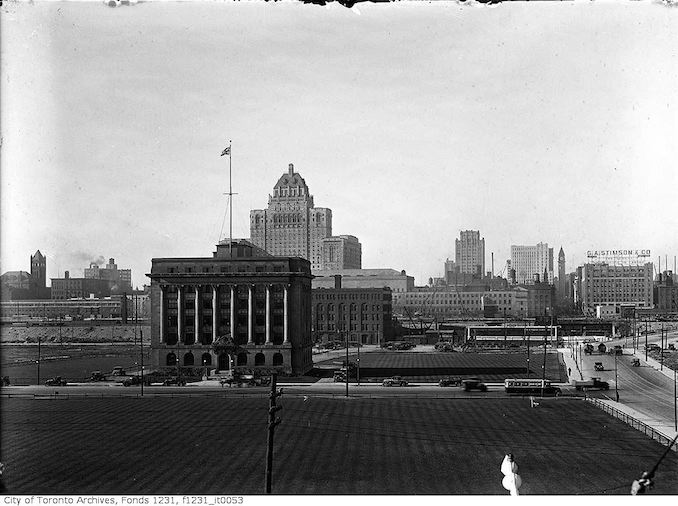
(38, 272)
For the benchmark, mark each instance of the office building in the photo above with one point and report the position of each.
(341, 252)
(262, 301)
(469, 253)
(79, 288)
(532, 263)
(291, 225)
(121, 279)
(602, 284)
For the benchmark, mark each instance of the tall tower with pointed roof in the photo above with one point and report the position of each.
(562, 281)
(38, 272)
(291, 226)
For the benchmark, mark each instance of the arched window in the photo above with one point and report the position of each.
(259, 359)
(278, 359)
(242, 358)
(206, 359)
(171, 359)
(189, 359)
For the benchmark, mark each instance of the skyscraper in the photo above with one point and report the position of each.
(529, 261)
(291, 225)
(469, 252)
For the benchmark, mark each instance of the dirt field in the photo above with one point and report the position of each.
(323, 446)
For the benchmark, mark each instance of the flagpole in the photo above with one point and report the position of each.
(230, 202)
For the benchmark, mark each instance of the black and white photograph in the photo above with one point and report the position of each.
(337, 250)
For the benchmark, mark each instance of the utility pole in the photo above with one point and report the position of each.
(38, 361)
(504, 324)
(543, 367)
(347, 368)
(616, 390)
(675, 403)
(141, 345)
(528, 350)
(359, 345)
(273, 421)
(661, 351)
(646, 339)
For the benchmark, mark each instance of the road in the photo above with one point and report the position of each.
(641, 388)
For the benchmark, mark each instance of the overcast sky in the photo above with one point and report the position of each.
(549, 121)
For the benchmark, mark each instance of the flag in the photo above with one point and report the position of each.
(226, 151)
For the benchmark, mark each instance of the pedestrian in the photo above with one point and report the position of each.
(569, 371)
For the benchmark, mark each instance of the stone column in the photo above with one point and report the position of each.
(162, 314)
(268, 314)
(196, 321)
(285, 316)
(233, 312)
(179, 319)
(215, 306)
(250, 305)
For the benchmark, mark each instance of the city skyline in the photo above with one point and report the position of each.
(528, 122)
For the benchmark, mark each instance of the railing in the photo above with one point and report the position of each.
(635, 423)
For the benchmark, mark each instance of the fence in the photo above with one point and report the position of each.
(649, 431)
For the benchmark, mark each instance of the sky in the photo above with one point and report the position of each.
(532, 122)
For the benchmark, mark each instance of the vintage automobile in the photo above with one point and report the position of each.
(174, 380)
(394, 381)
(132, 380)
(591, 384)
(97, 376)
(474, 384)
(635, 362)
(56, 382)
(450, 382)
(598, 366)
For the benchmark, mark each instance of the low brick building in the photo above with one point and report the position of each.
(364, 314)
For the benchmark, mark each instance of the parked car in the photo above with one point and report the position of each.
(450, 382)
(56, 382)
(474, 384)
(339, 376)
(394, 381)
(598, 366)
(132, 380)
(97, 376)
(173, 380)
(118, 370)
(635, 362)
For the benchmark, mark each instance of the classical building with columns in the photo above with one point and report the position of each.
(263, 301)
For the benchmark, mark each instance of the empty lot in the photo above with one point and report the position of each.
(323, 446)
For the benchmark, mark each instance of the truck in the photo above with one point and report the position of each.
(591, 384)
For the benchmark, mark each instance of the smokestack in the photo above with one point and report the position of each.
(492, 276)
(290, 169)
(337, 280)
(66, 274)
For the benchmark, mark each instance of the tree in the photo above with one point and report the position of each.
(226, 344)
